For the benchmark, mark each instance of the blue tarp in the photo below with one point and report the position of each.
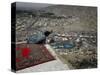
(36, 37)
(63, 45)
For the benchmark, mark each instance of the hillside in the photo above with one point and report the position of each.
(57, 18)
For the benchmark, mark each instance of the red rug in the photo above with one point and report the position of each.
(28, 55)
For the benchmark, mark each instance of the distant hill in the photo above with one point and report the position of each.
(56, 18)
(77, 18)
(87, 15)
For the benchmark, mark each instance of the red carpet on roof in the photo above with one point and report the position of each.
(28, 55)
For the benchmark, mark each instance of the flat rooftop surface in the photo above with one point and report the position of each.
(54, 65)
